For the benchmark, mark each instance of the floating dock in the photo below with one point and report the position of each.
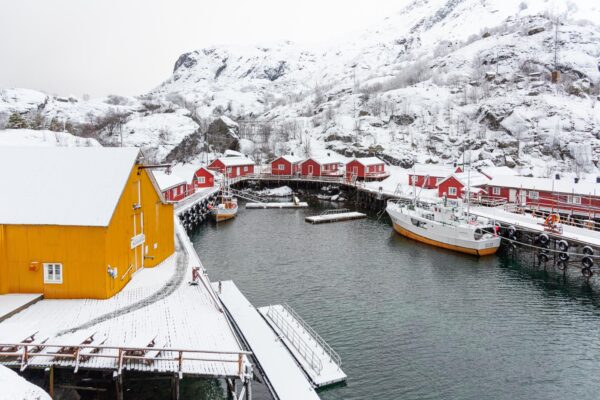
(284, 377)
(319, 361)
(301, 204)
(338, 215)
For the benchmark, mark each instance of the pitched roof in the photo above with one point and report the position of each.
(62, 185)
(367, 161)
(324, 160)
(290, 158)
(167, 181)
(436, 171)
(235, 161)
(474, 178)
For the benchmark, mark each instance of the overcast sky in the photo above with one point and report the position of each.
(129, 46)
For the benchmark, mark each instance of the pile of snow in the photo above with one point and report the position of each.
(30, 137)
(283, 191)
(13, 387)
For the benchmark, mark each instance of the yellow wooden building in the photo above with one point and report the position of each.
(78, 222)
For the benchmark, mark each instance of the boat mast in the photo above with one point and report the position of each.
(469, 186)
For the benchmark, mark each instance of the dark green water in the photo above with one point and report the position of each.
(411, 321)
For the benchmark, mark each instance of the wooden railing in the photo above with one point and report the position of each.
(80, 353)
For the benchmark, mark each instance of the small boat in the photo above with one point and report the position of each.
(227, 207)
(446, 225)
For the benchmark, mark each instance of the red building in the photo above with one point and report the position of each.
(456, 185)
(322, 166)
(203, 178)
(429, 176)
(172, 186)
(233, 167)
(547, 194)
(369, 168)
(286, 165)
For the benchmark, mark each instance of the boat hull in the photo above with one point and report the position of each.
(473, 251)
(220, 215)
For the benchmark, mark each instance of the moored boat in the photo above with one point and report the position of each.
(227, 208)
(445, 225)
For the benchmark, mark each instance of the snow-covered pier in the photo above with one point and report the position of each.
(338, 215)
(301, 204)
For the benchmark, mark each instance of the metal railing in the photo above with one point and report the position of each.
(83, 352)
(335, 211)
(295, 339)
(330, 352)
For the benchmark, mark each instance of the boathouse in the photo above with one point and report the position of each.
(203, 178)
(456, 185)
(320, 166)
(286, 165)
(79, 221)
(368, 168)
(429, 176)
(548, 194)
(232, 167)
(172, 187)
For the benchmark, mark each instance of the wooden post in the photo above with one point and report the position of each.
(118, 385)
(175, 387)
(51, 381)
(248, 389)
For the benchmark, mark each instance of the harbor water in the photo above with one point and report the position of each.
(411, 321)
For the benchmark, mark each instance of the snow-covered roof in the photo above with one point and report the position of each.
(290, 158)
(233, 153)
(564, 185)
(167, 181)
(62, 185)
(325, 160)
(473, 178)
(498, 171)
(15, 387)
(367, 161)
(438, 171)
(235, 161)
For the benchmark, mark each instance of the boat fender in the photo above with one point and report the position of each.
(587, 272)
(543, 257)
(561, 265)
(588, 251)
(543, 239)
(512, 231)
(563, 245)
(563, 257)
(587, 262)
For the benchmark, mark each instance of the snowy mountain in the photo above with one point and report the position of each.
(436, 79)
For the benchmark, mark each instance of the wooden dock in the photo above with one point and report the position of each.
(301, 204)
(338, 215)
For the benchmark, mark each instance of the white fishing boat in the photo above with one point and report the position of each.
(226, 208)
(446, 225)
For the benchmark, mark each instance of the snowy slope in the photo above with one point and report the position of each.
(16, 388)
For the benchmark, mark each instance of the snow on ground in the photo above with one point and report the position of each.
(13, 301)
(14, 387)
(30, 137)
(283, 191)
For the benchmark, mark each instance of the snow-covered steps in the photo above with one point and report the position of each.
(11, 304)
(301, 204)
(319, 361)
(341, 214)
(284, 377)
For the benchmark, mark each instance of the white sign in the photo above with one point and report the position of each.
(137, 240)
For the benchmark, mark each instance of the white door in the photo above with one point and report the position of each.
(310, 169)
(523, 197)
(512, 195)
(237, 173)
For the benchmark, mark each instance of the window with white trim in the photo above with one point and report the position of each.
(245, 169)
(496, 191)
(201, 179)
(281, 167)
(533, 195)
(228, 170)
(576, 199)
(452, 191)
(53, 273)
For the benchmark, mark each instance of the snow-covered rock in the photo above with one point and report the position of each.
(13, 387)
(29, 137)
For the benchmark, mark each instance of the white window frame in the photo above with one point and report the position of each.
(452, 191)
(281, 167)
(246, 169)
(533, 195)
(201, 179)
(576, 199)
(228, 170)
(496, 190)
(50, 277)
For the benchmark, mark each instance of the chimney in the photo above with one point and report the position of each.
(292, 153)
(557, 177)
(598, 179)
(328, 154)
(454, 164)
(576, 180)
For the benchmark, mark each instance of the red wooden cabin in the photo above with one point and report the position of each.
(369, 168)
(172, 186)
(233, 167)
(428, 177)
(322, 166)
(456, 185)
(286, 165)
(203, 178)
